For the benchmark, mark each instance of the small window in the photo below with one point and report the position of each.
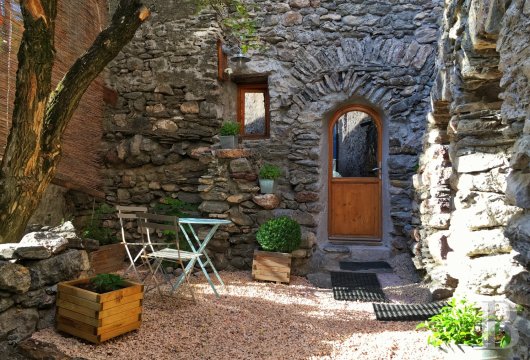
(253, 110)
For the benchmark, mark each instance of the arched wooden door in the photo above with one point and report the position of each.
(355, 175)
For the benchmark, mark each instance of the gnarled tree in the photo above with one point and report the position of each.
(41, 115)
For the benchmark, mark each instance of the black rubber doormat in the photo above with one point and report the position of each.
(365, 265)
(356, 287)
(407, 312)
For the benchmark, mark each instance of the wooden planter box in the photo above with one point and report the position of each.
(271, 266)
(108, 259)
(98, 317)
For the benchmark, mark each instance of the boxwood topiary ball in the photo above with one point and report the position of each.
(282, 234)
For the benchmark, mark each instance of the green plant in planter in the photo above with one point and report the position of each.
(269, 172)
(103, 283)
(281, 234)
(460, 322)
(230, 128)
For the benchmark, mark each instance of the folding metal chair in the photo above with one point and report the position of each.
(151, 223)
(133, 249)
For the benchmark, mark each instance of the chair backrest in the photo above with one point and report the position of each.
(128, 213)
(148, 221)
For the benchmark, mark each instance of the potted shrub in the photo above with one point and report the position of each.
(278, 238)
(458, 330)
(99, 308)
(228, 134)
(268, 175)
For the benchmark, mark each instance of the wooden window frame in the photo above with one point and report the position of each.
(242, 89)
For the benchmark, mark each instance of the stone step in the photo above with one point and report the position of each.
(328, 257)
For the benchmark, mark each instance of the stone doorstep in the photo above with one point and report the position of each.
(332, 254)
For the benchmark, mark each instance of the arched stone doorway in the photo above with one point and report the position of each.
(355, 176)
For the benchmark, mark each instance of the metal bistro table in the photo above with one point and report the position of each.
(198, 245)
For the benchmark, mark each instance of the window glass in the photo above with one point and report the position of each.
(253, 110)
(254, 113)
(355, 146)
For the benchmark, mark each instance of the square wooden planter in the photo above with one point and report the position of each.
(98, 317)
(108, 258)
(271, 266)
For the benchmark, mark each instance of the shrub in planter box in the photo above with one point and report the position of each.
(278, 238)
(99, 308)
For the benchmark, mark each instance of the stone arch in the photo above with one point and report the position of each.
(367, 68)
(392, 76)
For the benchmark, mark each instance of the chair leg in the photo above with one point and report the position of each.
(185, 277)
(153, 274)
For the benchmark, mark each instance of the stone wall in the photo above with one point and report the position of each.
(318, 56)
(230, 190)
(167, 104)
(473, 181)
(322, 55)
(29, 273)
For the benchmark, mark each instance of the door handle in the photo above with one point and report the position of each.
(375, 169)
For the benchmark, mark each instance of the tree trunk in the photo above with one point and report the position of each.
(40, 116)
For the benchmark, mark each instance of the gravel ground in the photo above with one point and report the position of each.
(258, 320)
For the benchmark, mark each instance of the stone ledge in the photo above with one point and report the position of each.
(232, 153)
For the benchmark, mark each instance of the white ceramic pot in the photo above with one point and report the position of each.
(228, 142)
(267, 186)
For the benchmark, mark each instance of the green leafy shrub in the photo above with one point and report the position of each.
(103, 283)
(95, 229)
(270, 172)
(460, 322)
(230, 128)
(281, 234)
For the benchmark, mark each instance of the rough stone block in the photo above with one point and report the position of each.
(65, 266)
(190, 107)
(7, 251)
(14, 278)
(232, 153)
(50, 240)
(267, 201)
(518, 189)
(216, 207)
(302, 217)
(482, 242)
(18, 323)
(240, 165)
(479, 162)
(33, 252)
(239, 218)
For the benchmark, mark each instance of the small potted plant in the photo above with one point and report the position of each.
(278, 238)
(268, 176)
(229, 134)
(99, 308)
(459, 331)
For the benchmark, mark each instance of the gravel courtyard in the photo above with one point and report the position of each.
(259, 320)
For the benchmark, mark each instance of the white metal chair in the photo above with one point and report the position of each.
(151, 223)
(133, 249)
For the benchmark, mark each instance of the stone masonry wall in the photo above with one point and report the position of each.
(473, 181)
(29, 273)
(322, 55)
(318, 56)
(230, 190)
(167, 100)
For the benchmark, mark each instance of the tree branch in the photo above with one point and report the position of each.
(129, 15)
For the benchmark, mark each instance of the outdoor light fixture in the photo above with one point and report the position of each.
(240, 58)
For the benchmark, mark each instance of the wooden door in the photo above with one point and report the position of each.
(355, 175)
